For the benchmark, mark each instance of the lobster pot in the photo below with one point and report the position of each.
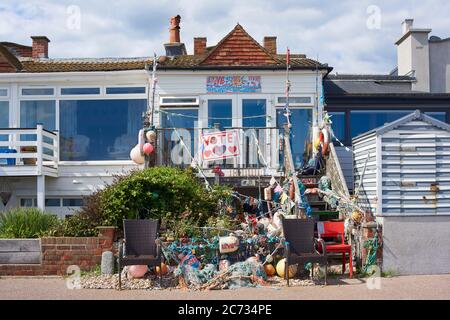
(406, 184)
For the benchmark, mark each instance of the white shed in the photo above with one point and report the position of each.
(406, 184)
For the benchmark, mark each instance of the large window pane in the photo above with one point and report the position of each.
(301, 121)
(362, 121)
(220, 109)
(338, 124)
(39, 111)
(99, 129)
(253, 108)
(184, 120)
(4, 118)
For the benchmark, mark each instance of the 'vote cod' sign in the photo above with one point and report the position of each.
(220, 145)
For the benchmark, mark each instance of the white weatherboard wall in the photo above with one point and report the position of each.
(407, 186)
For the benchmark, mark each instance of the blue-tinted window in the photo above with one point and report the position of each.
(179, 118)
(125, 90)
(73, 91)
(185, 121)
(338, 124)
(99, 129)
(362, 121)
(55, 202)
(439, 115)
(252, 108)
(3, 92)
(220, 112)
(38, 112)
(4, 118)
(38, 92)
(73, 202)
(301, 121)
(27, 202)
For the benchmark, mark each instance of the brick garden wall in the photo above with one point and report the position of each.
(57, 253)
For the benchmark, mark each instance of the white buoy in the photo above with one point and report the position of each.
(136, 156)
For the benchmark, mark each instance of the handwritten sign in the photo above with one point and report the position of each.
(227, 84)
(220, 145)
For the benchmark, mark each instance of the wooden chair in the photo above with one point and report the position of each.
(140, 246)
(331, 229)
(301, 245)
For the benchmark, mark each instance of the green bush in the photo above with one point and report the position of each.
(173, 195)
(26, 223)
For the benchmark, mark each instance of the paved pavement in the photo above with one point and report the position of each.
(401, 287)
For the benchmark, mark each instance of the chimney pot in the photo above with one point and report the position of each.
(406, 25)
(39, 47)
(199, 45)
(174, 30)
(270, 43)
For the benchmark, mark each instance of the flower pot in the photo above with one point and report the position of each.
(30, 149)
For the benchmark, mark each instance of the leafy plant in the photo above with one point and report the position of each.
(174, 196)
(26, 223)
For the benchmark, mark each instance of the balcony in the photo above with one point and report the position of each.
(259, 151)
(28, 152)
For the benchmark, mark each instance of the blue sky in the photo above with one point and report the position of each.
(354, 36)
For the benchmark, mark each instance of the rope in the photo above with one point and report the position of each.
(372, 246)
(212, 118)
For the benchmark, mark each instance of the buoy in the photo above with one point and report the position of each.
(325, 139)
(269, 269)
(137, 271)
(147, 148)
(280, 269)
(163, 268)
(150, 135)
(136, 156)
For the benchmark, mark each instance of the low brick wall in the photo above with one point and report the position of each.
(60, 252)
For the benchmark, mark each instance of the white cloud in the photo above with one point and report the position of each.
(333, 30)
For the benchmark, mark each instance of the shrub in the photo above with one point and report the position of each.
(26, 223)
(173, 195)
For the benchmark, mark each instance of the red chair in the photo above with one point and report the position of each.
(336, 230)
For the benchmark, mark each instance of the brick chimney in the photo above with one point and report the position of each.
(199, 45)
(270, 43)
(39, 47)
(175, 47)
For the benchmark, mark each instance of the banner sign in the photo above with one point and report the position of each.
(220, 145)
(233, 84)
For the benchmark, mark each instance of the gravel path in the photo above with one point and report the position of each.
(402, 287)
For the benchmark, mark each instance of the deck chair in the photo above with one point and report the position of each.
(301, 245)
(141, 245)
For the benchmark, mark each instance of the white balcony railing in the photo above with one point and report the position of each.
(28, 151)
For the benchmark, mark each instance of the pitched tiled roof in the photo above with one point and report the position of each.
(79, 65)
(237, 50)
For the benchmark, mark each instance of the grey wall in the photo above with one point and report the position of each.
(416, 245)
(346, 162)
(440, 66)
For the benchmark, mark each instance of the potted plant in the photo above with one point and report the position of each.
(29, 149)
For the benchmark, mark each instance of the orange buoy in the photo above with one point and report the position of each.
(163, 268)
(270, 270)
